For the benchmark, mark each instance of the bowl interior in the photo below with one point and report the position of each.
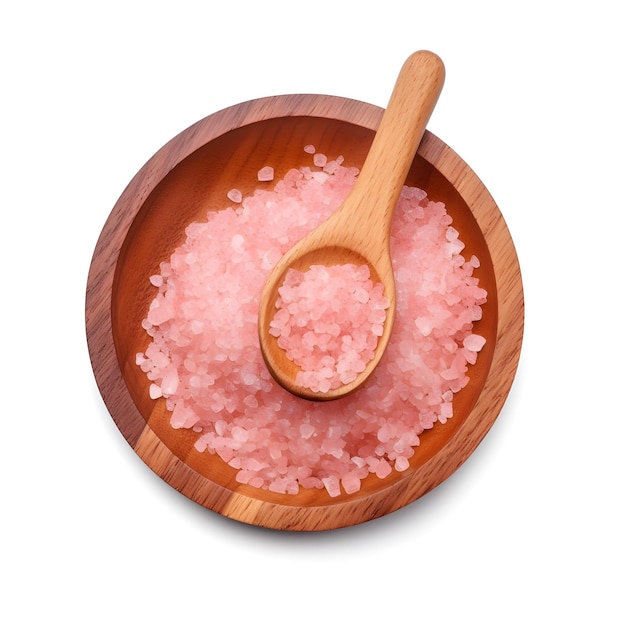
(199, 183)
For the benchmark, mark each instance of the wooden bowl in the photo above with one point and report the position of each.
(192, 174)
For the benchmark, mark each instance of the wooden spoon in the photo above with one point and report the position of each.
(359, 231)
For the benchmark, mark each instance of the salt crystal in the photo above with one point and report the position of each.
(452, 234)
(237, 243)
(306, 430)
(383, 469)
(309, 149)
(239, 434)
(266, 174)
(424, 325)
(450, 373)
(358, 461)
(235, 195)
(401, 464)
(446, 411)
(170, 381)
(183, 417)
(161, 311)
(351, 483)
(251, 401)
(155, 391)
(320, 160)
(474, 342)
(361, 295)
(331, 483)
(197, 326)
(278, 485)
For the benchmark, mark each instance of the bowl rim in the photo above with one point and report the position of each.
(238, 506)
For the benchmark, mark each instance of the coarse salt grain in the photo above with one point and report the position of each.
(155, 391)
(235, 195)
(320, 160)
(204, 361)
(266, 173)
(474, 342)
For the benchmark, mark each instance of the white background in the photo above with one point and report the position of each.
(530, 529)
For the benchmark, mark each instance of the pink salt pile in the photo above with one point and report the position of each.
(203, 356)
(328, 321)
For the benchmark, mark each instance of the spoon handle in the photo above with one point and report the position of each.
(389, 159)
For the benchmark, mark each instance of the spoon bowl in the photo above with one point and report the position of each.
(283, 369)
(359, 231)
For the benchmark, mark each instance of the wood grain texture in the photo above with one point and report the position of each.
(191, 175)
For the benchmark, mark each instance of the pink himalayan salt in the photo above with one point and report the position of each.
(266, 173)
(204, 359)
(328, 321)
(235, 195)
(309, 149)
(320, 160)
(474, 343)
